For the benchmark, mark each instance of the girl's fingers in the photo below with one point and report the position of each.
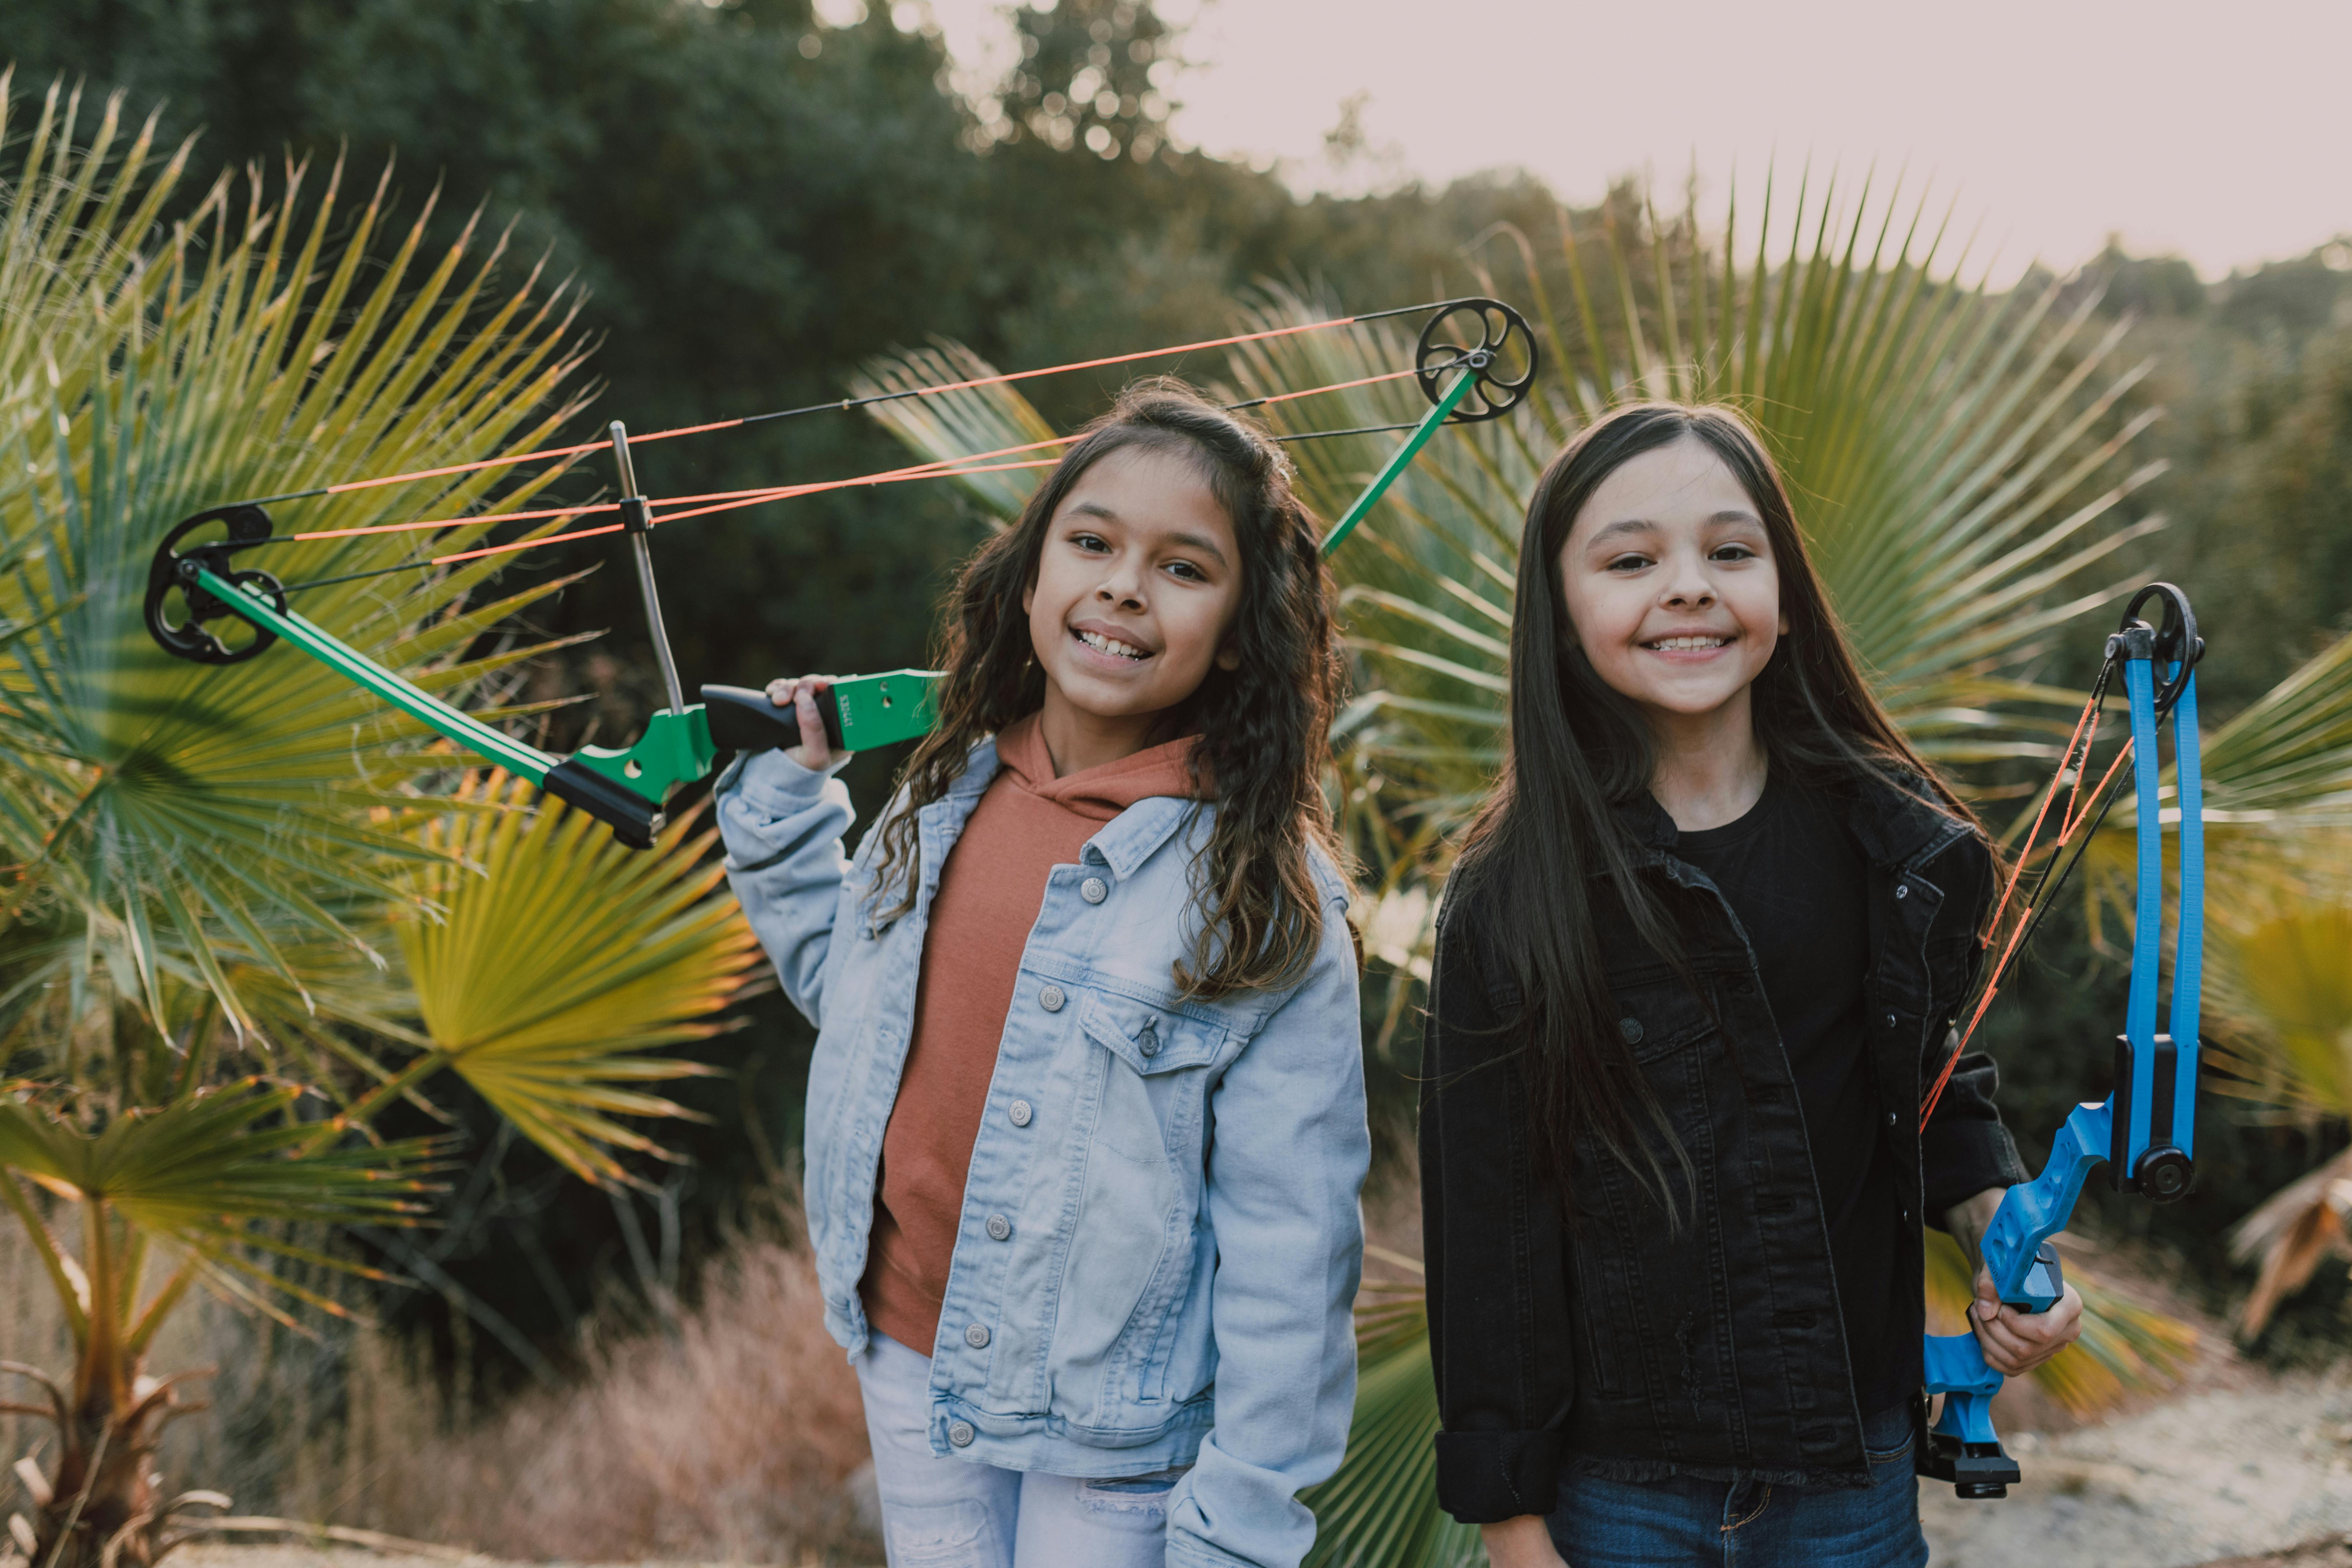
(800, 693)
(2015, 1341)
(812, 737)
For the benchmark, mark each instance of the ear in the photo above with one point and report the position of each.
(1029, 596)
(1229, 659)
(1784, 623)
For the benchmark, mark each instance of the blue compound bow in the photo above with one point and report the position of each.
(2145, 1129)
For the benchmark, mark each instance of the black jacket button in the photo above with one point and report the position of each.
(1631, 1029)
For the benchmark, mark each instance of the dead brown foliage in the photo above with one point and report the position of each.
(727, 1438)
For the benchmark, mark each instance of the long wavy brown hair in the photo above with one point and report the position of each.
(1264, 725)
(1578, 749)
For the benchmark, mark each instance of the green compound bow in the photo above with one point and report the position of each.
(1463, 382)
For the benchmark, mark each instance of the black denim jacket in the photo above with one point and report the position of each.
(1621, 1345)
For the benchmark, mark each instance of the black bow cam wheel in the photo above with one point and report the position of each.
(173, 572)
(1489, 338)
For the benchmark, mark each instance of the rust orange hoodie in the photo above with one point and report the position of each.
(990, 891)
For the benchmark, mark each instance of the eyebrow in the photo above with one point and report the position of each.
(1200, 542)
(1643, 525)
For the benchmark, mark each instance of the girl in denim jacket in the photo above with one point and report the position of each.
(1086, 1122)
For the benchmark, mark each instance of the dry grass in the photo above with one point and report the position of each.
(728, 1438)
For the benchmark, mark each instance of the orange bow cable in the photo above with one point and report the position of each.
(2069, 820)
(762, 494)
(891, 477)
(1002, 378)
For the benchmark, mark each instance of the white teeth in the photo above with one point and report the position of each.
(1670, 645)
(1102, 644)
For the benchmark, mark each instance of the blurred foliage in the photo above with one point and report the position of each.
(214, 872)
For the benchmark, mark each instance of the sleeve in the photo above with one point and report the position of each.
(1494, 1242)
(1288, 1149)
(1964, 1148)
(782, 826)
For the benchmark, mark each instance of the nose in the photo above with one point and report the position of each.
(1122, 583)
(1688, 586)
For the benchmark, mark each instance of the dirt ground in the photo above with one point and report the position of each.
(2244, 1470)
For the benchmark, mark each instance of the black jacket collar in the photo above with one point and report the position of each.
(1894, 826)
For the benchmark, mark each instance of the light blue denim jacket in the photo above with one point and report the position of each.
(1161, 1239)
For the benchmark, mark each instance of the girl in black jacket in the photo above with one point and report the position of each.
(1698, 960)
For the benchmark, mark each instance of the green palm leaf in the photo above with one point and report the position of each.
(1376, 1510)
(173, 804)
(559, 960)
(218, 1176)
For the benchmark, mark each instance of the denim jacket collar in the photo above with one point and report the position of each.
(1894, 828)
(1123, 843)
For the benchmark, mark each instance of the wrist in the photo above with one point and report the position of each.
(1969, 1219)
(1521, 1542)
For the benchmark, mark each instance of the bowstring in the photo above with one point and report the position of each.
(2050, 884)
(1002, 378)
(729, 500)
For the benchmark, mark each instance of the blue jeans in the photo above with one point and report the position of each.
(1748, 1524)
(959, 1514)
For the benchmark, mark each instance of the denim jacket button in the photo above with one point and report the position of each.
(1094, 890)
(976, 1336)
(1629, 1030)
(1148, 1042)
(960, 1434)
(1902, 889)
(1051, 998)
(999, 1227)
(1018, 1113)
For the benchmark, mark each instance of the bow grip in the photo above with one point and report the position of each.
(743, 719)
(2016, 1245)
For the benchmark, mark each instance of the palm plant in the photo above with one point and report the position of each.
(247, 909)
(2286, 980)
(1963, 463)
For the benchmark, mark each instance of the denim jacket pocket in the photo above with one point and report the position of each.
(1656, 1019)
(1147, 1039)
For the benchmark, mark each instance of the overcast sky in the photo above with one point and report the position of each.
(2221, 132)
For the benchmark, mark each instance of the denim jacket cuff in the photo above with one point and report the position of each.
(1484, 1478)
(1961, 1158)
(772, 783)
(1186, 1551)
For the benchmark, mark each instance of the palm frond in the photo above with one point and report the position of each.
(2290, 1235)
(558, 961)
(173, 804)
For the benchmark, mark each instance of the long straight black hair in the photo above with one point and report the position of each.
(1578, 749)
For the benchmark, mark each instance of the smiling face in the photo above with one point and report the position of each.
(1137, 584)
(1670, 583)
